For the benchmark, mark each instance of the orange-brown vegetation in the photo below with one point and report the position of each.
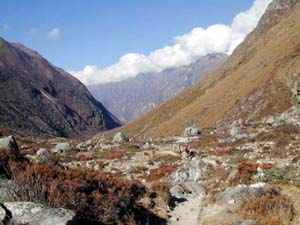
(97, 198)
(269, 209)
(259, 68)
(163, 171)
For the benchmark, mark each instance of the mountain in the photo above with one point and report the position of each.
(133, 97)
(260, 78)
(39, 99)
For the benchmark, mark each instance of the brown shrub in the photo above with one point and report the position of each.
(11, 162)
(268, 209)
(97, 198)
(161, 172)
(114, 154)
(245, 172)
(222, 152)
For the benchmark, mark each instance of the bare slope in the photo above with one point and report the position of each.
(259, 78)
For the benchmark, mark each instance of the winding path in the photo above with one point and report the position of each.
(186, 213)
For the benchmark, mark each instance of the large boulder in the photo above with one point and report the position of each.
(120, 137)
(62, 148)
(193, 170)
(34, 214)
(234, 193)
(9, 143)
(188, 188)
(191, 132)
(7, 190)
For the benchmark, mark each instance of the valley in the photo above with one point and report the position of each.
(221, 150)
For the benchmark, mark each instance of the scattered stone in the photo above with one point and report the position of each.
(147, 145)
(35, 214)
(236, 128)
(245, 222)
(191, 132)
(85, 146)
(42, 155)
(61, 148)
(120, 137)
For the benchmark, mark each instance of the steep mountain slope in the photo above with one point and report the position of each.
(262, 77)
(37, 98)
(132, 98)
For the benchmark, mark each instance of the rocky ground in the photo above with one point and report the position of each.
(242, 174)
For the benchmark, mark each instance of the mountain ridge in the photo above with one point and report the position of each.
(254, 66)
(40, 99)
(133, 97)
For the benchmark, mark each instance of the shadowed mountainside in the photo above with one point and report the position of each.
(39, 99)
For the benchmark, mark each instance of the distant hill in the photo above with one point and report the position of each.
(39, 99)
(262, 77)
(133, 97)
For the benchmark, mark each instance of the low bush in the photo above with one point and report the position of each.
(269, 209)
(246, 171)
(97, 198)
(282, 176)
(161, 172)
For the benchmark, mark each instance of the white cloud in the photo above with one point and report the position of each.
(54, 33)
(186, 49)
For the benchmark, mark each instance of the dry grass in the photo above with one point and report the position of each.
(242, 75)
(268, 209)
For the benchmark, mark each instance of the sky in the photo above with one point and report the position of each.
(100, 41)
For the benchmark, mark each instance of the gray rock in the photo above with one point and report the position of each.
(177, 191)
(85, 146)
(120, 137)
(147, 145)
(42, 155)
(232, 175)
(195, 189)
(7, 190)
(193, 170)
(8, 143)
(245, 222)
(37, 214)
(185, 189)
(240, 190)
(61, 148)
(191, 132)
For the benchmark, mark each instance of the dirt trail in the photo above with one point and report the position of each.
(186, 213)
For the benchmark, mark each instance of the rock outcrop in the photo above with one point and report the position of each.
(33, 214)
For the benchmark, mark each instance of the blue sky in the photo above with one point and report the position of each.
(99, 32)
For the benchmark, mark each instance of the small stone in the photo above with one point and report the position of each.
(191, 132)
(42, 155)
(61, 148)
(120, 137)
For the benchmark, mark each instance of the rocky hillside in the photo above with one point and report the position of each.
(260, 78)
(132, 98)
(37, 98)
